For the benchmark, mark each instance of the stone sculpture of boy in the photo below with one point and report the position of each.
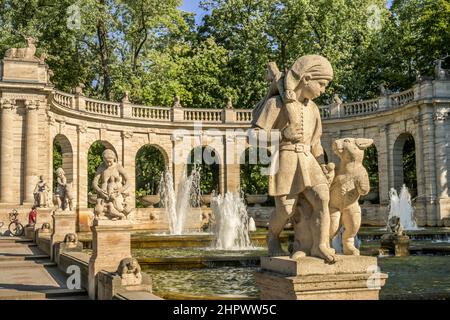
(300, 174)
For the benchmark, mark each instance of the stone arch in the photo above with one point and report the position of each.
(150, 162)
(370, 162)
(63, 157)
(404, 162)
(253, 170)
(211, 167)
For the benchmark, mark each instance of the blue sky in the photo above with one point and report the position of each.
(193, 6)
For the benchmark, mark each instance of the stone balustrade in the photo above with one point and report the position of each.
(151, 113)
(401, 98)
(243, 116)
(205, 115)
(63, 99)
(102, 107)
(360, 107)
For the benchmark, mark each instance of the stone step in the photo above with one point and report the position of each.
(53, 294)
(14, 240)
(14, 264)
(26, 257)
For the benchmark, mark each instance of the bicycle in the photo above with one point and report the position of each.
(15, 227)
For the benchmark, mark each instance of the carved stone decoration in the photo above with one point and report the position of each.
(440, 116)
(351, 181)
(111, 185)
(64, 196)
(27, 53)
(130, 272)
(7, 104)
(42, 193)
(51, 118)
(126, 97)
(78, 90)
(71, 240)
(176, 102)
(127, 134)
(46, 227)
(82, 128)
(229, 104)
(300, 178)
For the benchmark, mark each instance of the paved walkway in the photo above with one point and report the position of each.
(28, 273)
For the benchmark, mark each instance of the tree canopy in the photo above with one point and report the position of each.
(155, 51)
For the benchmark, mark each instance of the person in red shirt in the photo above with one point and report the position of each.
(32, 215)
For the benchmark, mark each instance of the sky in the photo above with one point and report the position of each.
(193, 6)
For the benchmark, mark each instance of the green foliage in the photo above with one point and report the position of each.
(57, 160)
(409, 166)
(209, 173)
(370, 162)
(253, 181)
(94, 161)
(150, 164)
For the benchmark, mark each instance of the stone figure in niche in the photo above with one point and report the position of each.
(299, 176)
(64, 196)
(350, 182)
(41, 193)
(112, 188)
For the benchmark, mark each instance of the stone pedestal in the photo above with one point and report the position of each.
(395, 244)
(30, 232)
(43, 215)
(110, 284)
(309, 278)
(63, 224)
(111, 242)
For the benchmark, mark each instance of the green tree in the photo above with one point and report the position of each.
(57, 161)
(150, 164)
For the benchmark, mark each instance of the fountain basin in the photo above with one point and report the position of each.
(151, 200)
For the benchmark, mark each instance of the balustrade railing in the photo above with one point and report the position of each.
(325, 112)
(206, 115)
(63, 99)
(102, 107)
(243, 115)
(220, 115)
(401, 98)
(361, 107)
(151, 113)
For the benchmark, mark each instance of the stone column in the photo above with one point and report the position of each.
(441, 165)
(420, 205)
(31, 150)
(7, 148)
(82, 189)
(231, 165)
(181, 149)
(383, 165)
(128, 162)
(429, 167)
